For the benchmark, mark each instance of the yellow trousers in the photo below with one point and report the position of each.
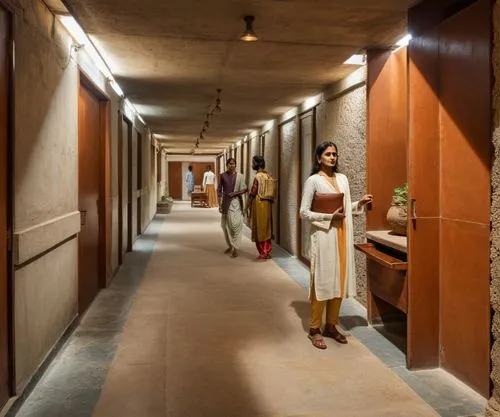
(333, 305)
(318, 307)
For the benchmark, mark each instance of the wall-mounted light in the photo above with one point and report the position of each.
(114, 85)
(74, 29)
(356, 59)
(404, 41)
(249, 35)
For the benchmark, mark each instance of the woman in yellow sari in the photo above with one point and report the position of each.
(260, 211)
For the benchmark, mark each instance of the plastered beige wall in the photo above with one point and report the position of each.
(46, 182)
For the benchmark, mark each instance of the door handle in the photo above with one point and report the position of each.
(413, 209)
(83, 217)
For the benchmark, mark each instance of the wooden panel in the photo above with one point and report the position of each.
(465, 166)
(423, 184)
(139, 182)
(199, 169)
(388, 284)
(427, 14)
(175, 180)
(465, 312)
(387, 131)
(130, 188)
(423, 293)
(88, 188)
(123, 189)
(381, 258)
(105, 203)
(5, 204)
(466, 128)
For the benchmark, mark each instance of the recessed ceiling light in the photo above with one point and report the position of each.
(356, 59)
(249, 35)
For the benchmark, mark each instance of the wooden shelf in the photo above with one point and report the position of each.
(385, 237)
(380, 257)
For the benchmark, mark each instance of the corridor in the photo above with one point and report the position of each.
(186, 331)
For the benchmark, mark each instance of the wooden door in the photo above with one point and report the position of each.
(424, 210)
(130, 188)
(465, 120)
(125, 168)
(175, 180)
(139, 183)
(88, 196)
(120, 189)
(5, 205)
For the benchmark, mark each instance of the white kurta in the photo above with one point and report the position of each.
(325, 266)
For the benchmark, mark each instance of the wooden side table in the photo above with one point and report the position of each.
(199, 199)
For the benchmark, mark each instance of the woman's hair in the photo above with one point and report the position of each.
(258, 162)
(322, 147)
(190, 167)
(229, 160)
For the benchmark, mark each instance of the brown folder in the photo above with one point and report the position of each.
(327, 202)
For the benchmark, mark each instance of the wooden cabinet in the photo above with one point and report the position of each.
(430, 126)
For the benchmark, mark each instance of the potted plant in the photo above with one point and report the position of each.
(397, 216)
(165, 204)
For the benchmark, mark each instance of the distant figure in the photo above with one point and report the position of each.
(190, 180)
(209, 187)
(230, 191)
(260, 211)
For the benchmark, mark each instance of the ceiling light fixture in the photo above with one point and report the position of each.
(356, 59)
(249, 35)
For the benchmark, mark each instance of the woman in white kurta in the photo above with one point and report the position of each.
(332, 250)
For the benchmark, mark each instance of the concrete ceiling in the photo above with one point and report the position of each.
(170, 56)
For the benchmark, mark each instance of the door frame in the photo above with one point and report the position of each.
(10, 206)
(104, 201)
(309, 113)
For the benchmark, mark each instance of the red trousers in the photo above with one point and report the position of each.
(264, 248)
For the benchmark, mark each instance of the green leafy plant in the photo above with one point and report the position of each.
(167, 199)
(400, 195)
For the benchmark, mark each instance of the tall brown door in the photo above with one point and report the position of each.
(139, 183)
(175, 180)
(4, 206)
(124, 184)
(88, 187)
(465, 119)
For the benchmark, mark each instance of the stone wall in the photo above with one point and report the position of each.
(342, 119)
(493, 409)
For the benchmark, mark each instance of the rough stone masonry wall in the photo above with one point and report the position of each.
(343, 121)
(493, 408)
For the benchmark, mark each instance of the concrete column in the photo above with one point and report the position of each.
(493, 408)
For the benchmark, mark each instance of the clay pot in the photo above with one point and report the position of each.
(164, 207)
(397, 217)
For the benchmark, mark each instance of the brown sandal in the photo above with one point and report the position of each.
(316, 339)
(332, 332)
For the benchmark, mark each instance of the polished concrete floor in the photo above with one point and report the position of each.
(186, 331)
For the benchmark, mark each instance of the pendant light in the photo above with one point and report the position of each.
(249, 35)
